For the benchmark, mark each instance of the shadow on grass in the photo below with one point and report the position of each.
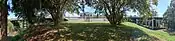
(104, 32)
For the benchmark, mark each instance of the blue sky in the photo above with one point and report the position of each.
(161, 8)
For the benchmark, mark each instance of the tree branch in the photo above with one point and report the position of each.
(107, 6)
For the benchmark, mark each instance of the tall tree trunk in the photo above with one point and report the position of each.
(111, 19)
(58, 19)
(119, 18)
(3, 21)
(115, 19)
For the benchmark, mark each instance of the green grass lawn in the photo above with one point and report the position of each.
(164, 36)
(103, 31)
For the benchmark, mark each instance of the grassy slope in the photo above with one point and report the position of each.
(127, 29)
(164, 36)
(100, 31)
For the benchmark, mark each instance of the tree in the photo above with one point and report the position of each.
(115, 9)
(3, 19)
(169, 17)
(57, 8)
(82, 3)
(26, 9)
(30, 9)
